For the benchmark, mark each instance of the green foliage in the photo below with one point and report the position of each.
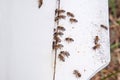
(113, 46)
(118, 22)
(112, 74)
(112, 5)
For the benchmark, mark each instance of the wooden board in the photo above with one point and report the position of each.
(26, 35)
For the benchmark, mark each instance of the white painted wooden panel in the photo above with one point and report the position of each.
(26, 39)
(90, 15)
(26, 34)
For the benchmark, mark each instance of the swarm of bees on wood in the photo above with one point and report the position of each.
(58, 33)
(62, 55)
(59, 15)
(77, 73)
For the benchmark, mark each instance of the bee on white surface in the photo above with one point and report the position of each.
(72, 20)
(96, 46)
(70, 14)
(77, 73)
(96, 39)
(68, 39)
(40, 2)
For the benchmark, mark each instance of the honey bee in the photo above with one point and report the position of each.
(77, 73)
(58, 33)
(61, 28)
(58, 46)
(103, 26)
(68, 39)
(70, 14)
(96, 39)
(57, 39)
(96, 46)
(65, 53)
(72, 20)
(59, 11)
(61, 57)
(61, 17)
(40, 2)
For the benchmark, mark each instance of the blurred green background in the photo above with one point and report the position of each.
(112, 71)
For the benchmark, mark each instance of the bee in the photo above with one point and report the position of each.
(70, 14)
(59, 11)
(103, 26)
(58, 46)
(61, 28)
(57, 39)
(72, 20)
(61, 17)
(96, 46)
(77, 73)
(61, 57)
(65, 53)
(58, 33)
(96, 39)
(68, 39)
(40, 2)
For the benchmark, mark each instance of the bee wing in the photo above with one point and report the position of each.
(40, 3)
